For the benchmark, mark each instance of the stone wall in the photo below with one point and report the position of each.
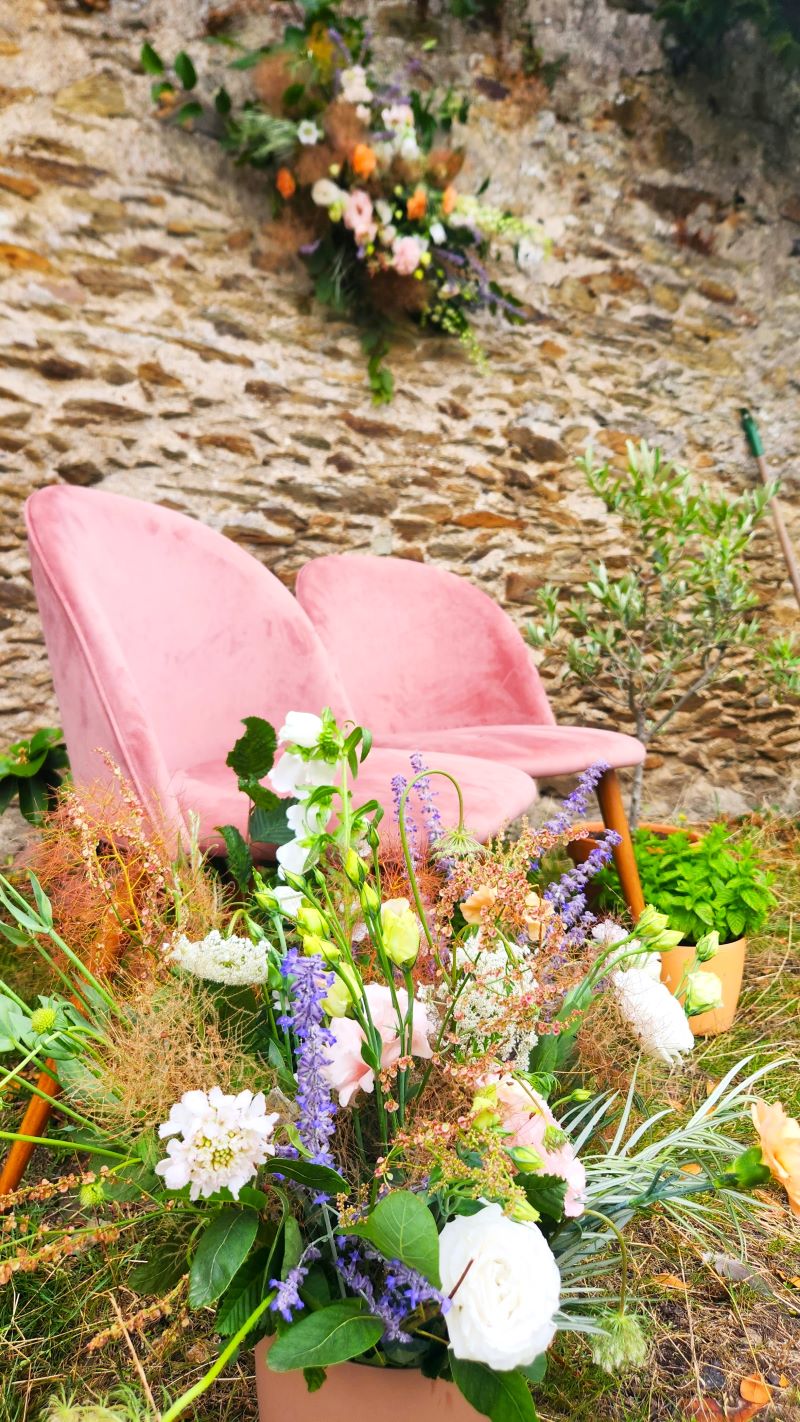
(155, 342)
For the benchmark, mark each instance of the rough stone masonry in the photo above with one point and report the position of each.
(155, 342)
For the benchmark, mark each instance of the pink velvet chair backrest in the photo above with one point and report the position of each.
(162, 634)
(419, 647)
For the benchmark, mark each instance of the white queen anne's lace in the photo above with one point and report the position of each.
(235, 961)
(495, 1009)
(222, 1140)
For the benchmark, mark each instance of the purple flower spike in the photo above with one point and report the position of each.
(309, 983)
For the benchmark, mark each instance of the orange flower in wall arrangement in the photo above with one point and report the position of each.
(363, 160)
(449, 200)
(417, 204)
(285, 183)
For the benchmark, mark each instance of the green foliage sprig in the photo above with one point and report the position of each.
(31, 772)
(694, 30)
(708, 884)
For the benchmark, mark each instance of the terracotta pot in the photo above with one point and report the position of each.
(727, 963)
(354, 1393)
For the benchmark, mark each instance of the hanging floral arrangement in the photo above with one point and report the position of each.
(361, 170)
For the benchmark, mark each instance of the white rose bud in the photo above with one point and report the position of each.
(505, 1304)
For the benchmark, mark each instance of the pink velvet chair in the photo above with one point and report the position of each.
(162, 634)
(425, 655)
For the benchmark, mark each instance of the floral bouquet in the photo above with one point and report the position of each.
(362, 174)
(383, 1150)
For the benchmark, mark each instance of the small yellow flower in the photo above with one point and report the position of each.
(400, 931)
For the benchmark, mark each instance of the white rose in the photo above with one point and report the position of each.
(504, 1308)
(301, 728)
(326, 193)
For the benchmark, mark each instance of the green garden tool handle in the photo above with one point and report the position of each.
(753, 437)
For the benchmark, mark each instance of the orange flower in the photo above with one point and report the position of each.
(363, 160)
(449, 199)
(417, 204)
(779, 1135)
(285, 183)
(473, 907)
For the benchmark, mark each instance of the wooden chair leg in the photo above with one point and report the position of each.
(38, 1110)
(612, 809)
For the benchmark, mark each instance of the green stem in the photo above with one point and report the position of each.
(75, 1147)
(228, 1351)
(623, 1249)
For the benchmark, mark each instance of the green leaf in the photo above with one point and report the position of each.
(304, 1172)
(240, 860)
(245, 1293)
(545, 1192)
(504, 1397)
(222, 1250)
(185, 70)
(292, 1245)
(314, 1378)
(188, 111)
(269, 826)
(222, 102)
(331, 1335)
(402, 1227)
(32, 796)
(253, 754)
(151, 62)
(537, 1370)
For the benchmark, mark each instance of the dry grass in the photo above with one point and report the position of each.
(712, 1322)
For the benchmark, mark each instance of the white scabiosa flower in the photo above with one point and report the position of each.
(622, 1344)
(326, 193)
(632, 955)
(503, 1312)
(220, 1141)
(355, 89)
(655, 1016)
(308, 133)
(235, 961)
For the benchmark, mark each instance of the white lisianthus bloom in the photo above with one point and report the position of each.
(235, 961)
(326, 193)
(437, 233)
(222, 1141)
(355, 89)
(503, 1313)
(703, 992)
(294, 776)
(656, 1017)
(301, 728)
(308, 133)
(293, 856)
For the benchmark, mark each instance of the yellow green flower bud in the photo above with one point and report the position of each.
(703, 992)
(707, 946)
(401, 932)
(92, 1194)
(526, 1158)
(312, 943)
(310, 920)
(355, 868)
(43, 1019)
(485, 1115)
(338, 999)
(523, 1210)
(370, 898)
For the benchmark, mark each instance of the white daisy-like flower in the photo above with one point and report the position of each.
(308, 133)
(355, 89)
(235, 961)
(222, 1140)
(655, 1016)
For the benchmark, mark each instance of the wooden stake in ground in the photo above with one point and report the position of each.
(757, 450)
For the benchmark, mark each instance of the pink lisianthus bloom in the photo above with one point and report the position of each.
(527, 1118)
(347, 1072)
(406, 253)
(359, 216)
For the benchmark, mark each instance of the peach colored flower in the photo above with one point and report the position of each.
(347, 1072)
(359, 216)
(529, 1121)
(779, 1135)
(363, 160)
(449, 199)
(417, 204)
(482, 899)
(285, 183)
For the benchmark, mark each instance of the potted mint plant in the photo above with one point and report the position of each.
(716, 893)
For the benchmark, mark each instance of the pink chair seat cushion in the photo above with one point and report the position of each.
(538, 750)
(493, 793)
